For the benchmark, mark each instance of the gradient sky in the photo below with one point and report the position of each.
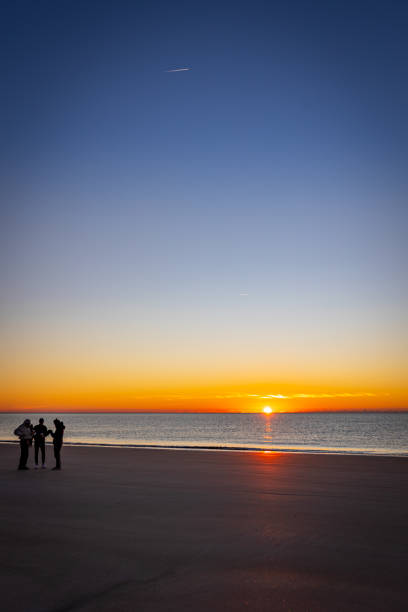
(199, 240)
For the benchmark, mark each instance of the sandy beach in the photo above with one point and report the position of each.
(154, 530)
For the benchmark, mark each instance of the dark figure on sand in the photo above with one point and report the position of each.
(57, 435)
(25, 433)
(40, 433)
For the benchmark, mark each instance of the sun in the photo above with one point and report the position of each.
(267, 410)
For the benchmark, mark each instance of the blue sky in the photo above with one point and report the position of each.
(145, 200)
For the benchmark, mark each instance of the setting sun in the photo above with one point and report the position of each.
(267, 410)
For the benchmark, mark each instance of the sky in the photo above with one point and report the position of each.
(210, 239)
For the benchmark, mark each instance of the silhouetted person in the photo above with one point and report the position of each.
(25, 433)
(57, 435)
(40, 433)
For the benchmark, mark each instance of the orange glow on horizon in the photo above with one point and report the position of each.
(105, 369)
(93, 397)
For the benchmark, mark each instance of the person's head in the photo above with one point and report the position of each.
(41, 421)
(27, 422)
(56, 422)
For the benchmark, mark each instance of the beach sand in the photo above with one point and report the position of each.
(132, 529)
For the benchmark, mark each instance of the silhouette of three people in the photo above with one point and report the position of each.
(26, 432)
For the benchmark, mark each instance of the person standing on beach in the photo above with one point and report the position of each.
(40, 433)
(25, 433)
(58, 436)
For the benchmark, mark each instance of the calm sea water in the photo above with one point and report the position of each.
(361, 433)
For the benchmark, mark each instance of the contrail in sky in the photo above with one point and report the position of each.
(178, 70)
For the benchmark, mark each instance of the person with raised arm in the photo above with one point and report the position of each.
(57, 436)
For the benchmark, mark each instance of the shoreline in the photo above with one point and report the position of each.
(233, 449)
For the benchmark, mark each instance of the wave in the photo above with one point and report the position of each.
(226, 448)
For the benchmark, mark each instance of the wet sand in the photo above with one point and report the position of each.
(154, 530)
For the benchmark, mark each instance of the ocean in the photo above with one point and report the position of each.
(346, 433)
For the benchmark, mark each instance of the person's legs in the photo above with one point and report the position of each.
(42, 446)
(36, 446)
(26, 453)
(23, 454)
(21, 461)
(57, 456)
